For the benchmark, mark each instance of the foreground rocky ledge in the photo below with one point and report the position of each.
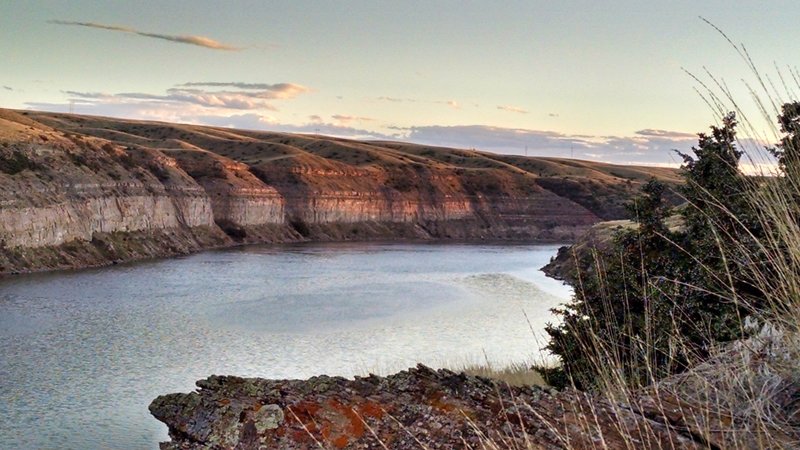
(418, 408)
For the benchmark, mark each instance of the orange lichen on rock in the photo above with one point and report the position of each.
(371, 409)
(341, 442)
(354, 425)
(304, 411)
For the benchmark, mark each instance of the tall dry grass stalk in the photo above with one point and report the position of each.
(740, 395)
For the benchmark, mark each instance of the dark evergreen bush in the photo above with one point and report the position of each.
(659, 298)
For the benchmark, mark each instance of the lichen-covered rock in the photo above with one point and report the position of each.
(417, 408)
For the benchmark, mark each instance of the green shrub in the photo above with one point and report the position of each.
(16, 163)
(161, 172)
(658, 299)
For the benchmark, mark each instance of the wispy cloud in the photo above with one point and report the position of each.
(347, 119)
(650, 132)
(493, 138)
(8, 88)
(220, 99)
(256, 95)
(200, 41)
(396, 99)
(279, 90)
(253, 121)
(641, 148)
(93, 25)
(451, 103)
(514, 109)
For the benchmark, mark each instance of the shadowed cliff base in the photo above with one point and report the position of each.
(82, 191)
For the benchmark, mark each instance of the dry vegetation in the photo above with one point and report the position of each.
(513, 374)
(740, 394)
(280, 158)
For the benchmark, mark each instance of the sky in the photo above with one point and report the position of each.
(593, 80)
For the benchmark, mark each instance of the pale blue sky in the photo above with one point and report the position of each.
(555, 76)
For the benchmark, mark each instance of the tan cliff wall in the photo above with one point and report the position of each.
(79, 219)
(248, 209)
(353, 207)
(80, 191)
(237, 197)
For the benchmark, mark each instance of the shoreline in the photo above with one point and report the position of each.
(236, 245)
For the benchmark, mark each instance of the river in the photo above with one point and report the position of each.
(84, 352)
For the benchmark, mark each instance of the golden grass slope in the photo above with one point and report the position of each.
(279, 157)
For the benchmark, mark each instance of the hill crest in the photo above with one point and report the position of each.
(114, 189)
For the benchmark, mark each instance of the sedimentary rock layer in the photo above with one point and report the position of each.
(78, 191)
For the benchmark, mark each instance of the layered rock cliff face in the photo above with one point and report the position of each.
(80, 191)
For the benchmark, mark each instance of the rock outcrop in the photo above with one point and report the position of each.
(79, 191)
(417, 408)
(745, 396)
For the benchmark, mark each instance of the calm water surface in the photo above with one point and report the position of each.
(83, 353)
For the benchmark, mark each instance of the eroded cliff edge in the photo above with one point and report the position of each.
(79, 191)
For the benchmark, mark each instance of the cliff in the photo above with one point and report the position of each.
(80, 191)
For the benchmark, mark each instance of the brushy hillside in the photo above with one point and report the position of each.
(280, 158)
(79, 191)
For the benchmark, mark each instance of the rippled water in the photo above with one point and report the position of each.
(83, 353)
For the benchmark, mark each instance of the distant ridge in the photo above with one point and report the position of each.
(82, 190)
